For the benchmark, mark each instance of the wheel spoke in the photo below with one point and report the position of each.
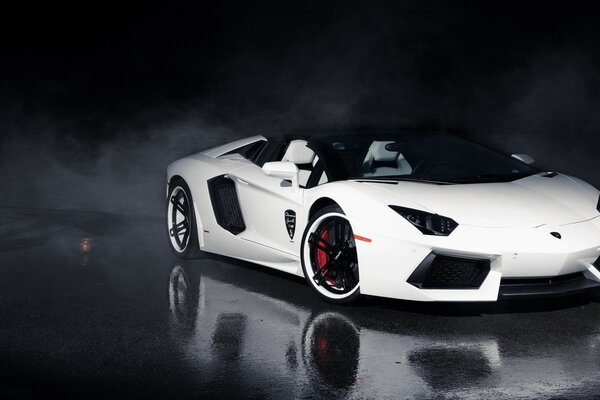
(321, 243)
(182, 225)
(182, 208)
(344, 282)
(340, 231)
(322, 273)
(347, 233)
(177, 229)
(329, 251)
(338, 234)
(349, 278)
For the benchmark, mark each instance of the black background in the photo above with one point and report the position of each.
(96, 100)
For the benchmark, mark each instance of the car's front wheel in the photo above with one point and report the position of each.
(329, 256)
(181, 221)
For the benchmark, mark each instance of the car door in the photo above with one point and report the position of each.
(271, 208)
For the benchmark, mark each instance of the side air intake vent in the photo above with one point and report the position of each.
(225, 204)
(445, 272)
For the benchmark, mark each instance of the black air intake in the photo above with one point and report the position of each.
(446, 272)
(226, 206)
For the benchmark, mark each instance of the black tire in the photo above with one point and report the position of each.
(184, 247)
(311, 269)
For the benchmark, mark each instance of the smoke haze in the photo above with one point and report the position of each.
(96, 101)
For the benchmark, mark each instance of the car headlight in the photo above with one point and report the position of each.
(427, 223)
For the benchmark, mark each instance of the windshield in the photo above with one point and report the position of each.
(417, 157)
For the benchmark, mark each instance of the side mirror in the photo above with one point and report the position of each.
(526, 158)
(282, 169)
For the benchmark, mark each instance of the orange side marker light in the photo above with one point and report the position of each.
(364, 239)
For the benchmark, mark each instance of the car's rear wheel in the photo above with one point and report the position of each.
(329, 256)
(181, 221)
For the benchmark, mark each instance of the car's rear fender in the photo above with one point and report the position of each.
(195, 171)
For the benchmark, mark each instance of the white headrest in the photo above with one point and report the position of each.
(379, 152)
(298, 153)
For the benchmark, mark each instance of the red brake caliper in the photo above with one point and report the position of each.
(322, 256)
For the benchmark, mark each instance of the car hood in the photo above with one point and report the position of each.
(529, 202)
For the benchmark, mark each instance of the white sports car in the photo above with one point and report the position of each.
(412, 215)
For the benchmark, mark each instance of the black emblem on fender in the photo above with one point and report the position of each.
(556, 235)
(290, 222)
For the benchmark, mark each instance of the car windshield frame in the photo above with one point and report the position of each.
(433, 157)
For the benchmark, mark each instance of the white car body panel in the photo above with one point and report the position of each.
(527, 202)
(508, 223)
(226, 148)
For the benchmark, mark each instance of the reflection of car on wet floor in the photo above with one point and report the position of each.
(414, 215)
(230, 328)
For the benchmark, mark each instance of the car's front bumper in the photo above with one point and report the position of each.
(387, 263)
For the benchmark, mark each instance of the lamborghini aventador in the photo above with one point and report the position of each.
(409, 215)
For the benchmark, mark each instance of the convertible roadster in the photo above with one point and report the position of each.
(410, 215)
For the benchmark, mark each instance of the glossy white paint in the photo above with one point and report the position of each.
(225, 148)
(508, 223)
(283, 170)
(528, 202)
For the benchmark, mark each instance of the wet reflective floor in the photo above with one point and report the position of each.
(95, 305)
